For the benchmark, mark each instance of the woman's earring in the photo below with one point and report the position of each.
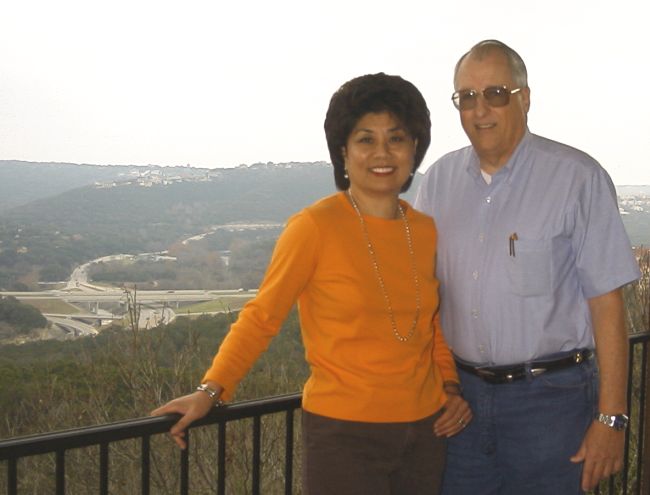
(412, 173)
(344, 155)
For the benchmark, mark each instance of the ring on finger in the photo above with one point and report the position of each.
(461, 422)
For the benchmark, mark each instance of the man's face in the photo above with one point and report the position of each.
(494, 132)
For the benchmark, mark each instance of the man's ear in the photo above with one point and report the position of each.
(525, 96)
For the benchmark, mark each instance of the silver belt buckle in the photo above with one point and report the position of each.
(537, 371)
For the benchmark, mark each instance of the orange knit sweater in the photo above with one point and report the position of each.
(359, 370)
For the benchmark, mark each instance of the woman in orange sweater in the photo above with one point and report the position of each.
(383, 392)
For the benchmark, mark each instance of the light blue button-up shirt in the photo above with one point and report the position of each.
(519, 258)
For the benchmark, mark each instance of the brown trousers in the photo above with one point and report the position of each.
(357, 458)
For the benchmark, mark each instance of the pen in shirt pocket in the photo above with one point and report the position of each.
(511, 242)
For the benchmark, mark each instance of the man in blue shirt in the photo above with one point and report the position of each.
(532, 255)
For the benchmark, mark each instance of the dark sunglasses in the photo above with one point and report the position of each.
(495, 96)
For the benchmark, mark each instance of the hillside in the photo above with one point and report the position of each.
(23, 182)
(55, 216)
(257, 193)
(147, 209)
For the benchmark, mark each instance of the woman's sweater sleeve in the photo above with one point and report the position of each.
(290, 269)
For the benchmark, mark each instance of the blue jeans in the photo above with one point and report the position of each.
(523, 434)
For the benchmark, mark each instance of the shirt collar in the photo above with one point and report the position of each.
(513, 167)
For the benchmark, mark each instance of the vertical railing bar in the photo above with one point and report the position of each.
(103, 468)
(642, 412)
(221, 459)
(12, 477)
(256, 453)
(610, 485)
(288, 453)
(630, 386)
(145, 463)
(60, 472)
(185, 464)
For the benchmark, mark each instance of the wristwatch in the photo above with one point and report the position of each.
(617, 421)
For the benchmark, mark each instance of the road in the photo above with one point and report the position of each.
(154, 305)
(143, 296)
(76, 328)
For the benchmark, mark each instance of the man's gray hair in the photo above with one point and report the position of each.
(485, 47)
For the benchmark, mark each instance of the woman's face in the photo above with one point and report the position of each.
(379, 155)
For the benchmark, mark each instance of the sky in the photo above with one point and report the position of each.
(219, 84)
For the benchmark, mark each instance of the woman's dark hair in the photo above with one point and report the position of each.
(375, 93)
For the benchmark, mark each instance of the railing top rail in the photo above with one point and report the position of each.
(138, 427)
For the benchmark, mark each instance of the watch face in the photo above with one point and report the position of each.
(617, 421)
(620, 422)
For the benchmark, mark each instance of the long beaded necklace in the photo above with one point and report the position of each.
(382, 285)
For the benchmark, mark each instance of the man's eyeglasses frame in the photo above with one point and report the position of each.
(495, 96)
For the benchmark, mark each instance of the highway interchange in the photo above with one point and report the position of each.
(156, 306)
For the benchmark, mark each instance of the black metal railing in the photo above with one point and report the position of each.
(14, 451)
(59, 443)
(629, 480)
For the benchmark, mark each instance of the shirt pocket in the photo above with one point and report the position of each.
(530, 270)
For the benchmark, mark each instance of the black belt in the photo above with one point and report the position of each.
(510, 373)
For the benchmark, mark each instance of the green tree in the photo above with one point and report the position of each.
(22, 317)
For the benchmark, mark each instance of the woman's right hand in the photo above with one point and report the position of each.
(191, 407)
